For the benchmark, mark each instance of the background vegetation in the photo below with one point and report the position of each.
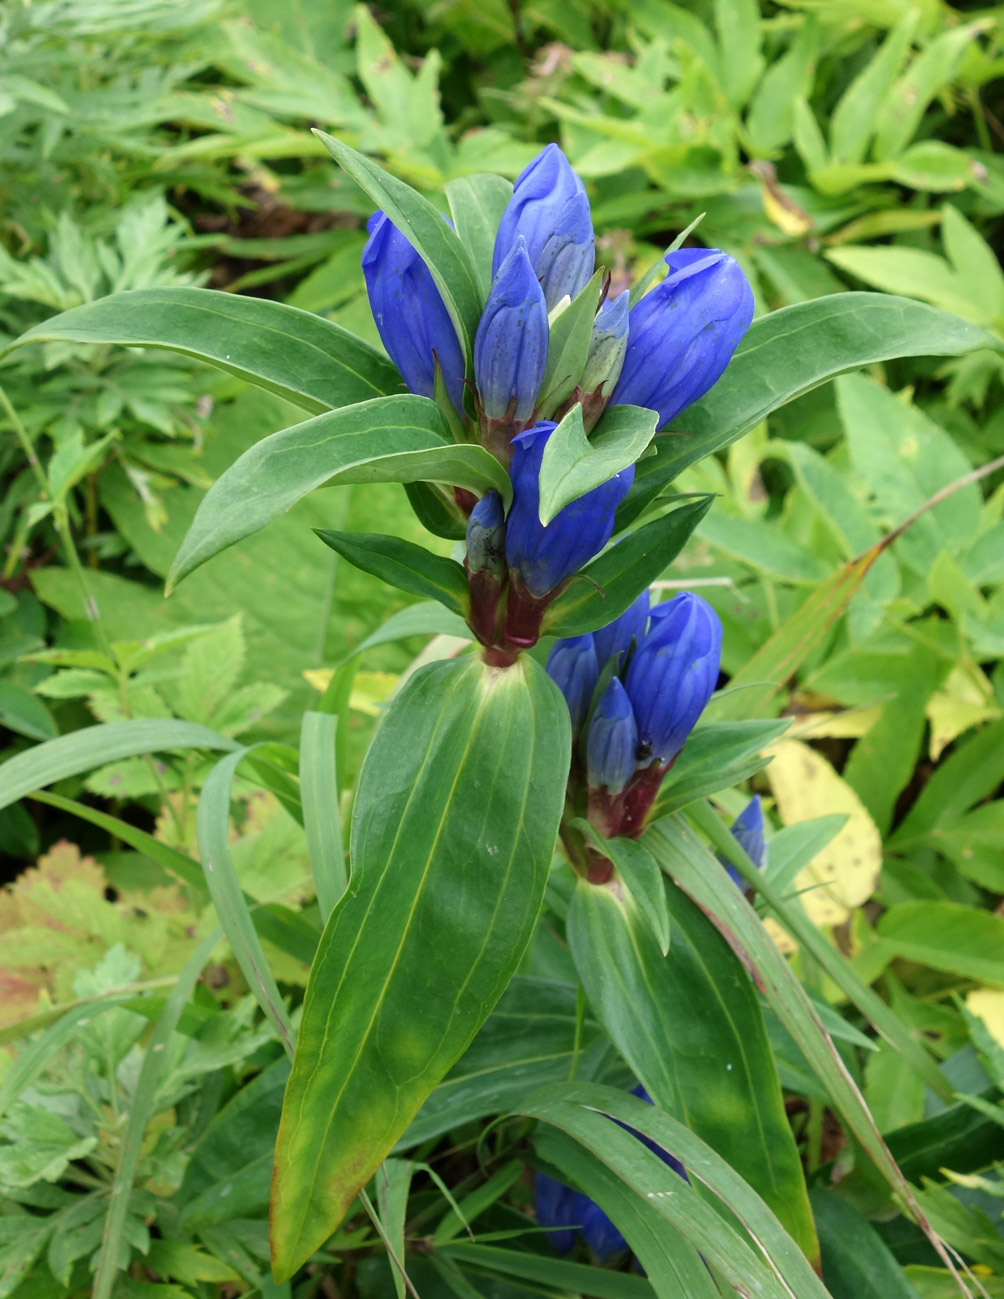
(829, 144)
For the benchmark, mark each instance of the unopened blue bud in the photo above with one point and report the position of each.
(617, 636)
(673, 673)
(510, 346)
(573, 667)
(545, 556)
(683, 333)
(747, 829)
(486, 536)
(410, 315)
(607, 347)
(550, 210)
(612, 742)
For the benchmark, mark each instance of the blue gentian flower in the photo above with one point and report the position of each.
(747, 829)
(683, 333)
(607, 346)
(617, 636)
(572, 665)
(612, 742)
(410, 315)
(510, 346)
(550, 211)
(486, 536)
(672, 674)
(568, 1213)
(543, 557)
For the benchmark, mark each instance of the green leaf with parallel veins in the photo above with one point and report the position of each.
(574, 464)
(641, 874)
(71, 755)
(310, 361)
(584, 1111)
(610, 583)
(790, 352)
(476, 205)
(391, 440)
(402, 564)
(690, 1026)
(716, 755)
(425, 229)
(457, 807)
(568, 347)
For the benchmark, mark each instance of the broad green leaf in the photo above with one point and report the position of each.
(213, 830)
(426, 619)
(310, 361)
(794, 847)
(95, 746)
(974, 260)
(739, 63)
(715, 756)
(855, 117)
(640, 873)
(568, 348)
(393, 439)
(947, 936)
(114, 1249)
(528, 1040)
(319, 795)
(476, 205)
(701, 1053)
(23, 712)
(763, 546)
(787, 82)
(402, 564)
(610, 583)
(574, 464)
(457, 810)
(856, 1260)
(790, 352)
(969, 775)
(914, 272)
(425, 229)
(777, 1268)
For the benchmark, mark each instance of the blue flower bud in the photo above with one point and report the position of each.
(486, 536)
(544, 556)
(683, 333)
(510, 346)
(612, 742)
(617, 636)
(573, 667)
(549, 208)
(747, 829)
(673, 673)
(410, 315)
(607, 347)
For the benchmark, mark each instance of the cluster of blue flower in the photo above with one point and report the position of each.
(659, 666)
(662, 354)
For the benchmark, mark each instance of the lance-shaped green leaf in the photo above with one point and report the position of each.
(425, 229)
(568, 348)
(640, 874)
(403, 564)
(717, 755)
(390, 440)
(310, 361)
(476, 205)
(790, 352)
(610, 583)
(70, 755)
(776, 1267)
(454, 825)
(690, 1026)
(574, 464)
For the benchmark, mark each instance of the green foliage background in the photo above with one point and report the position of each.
(830, 145)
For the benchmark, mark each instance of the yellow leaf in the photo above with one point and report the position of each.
(319, 678)
(988, 1004)
(965, 700)
(845, 724)
(842, 876)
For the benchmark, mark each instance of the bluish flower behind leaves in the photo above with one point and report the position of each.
(747, 829)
